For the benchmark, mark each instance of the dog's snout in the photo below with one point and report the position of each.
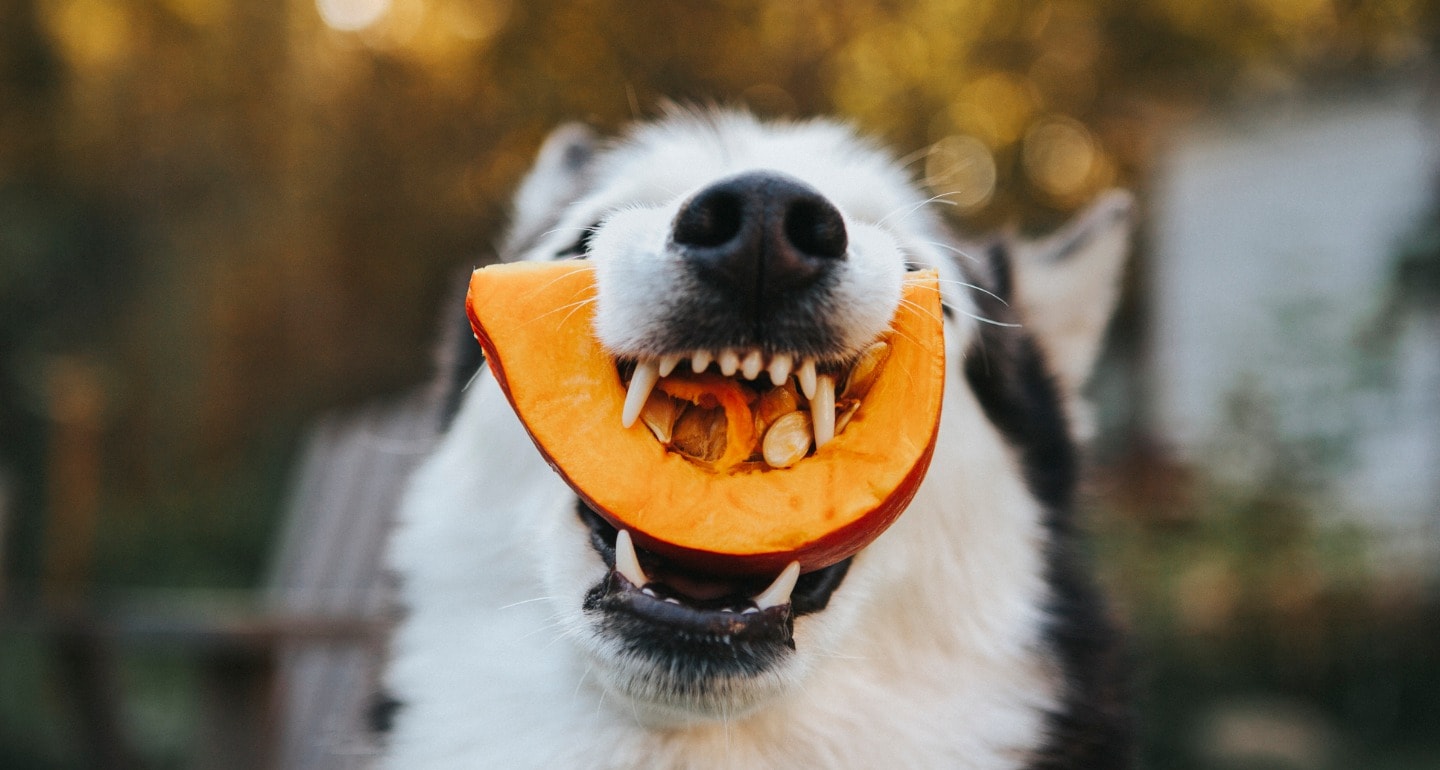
(760, 234)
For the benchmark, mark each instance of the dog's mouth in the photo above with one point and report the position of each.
(746, 409)
(727, 618)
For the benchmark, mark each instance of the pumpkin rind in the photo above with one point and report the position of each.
(534, 320)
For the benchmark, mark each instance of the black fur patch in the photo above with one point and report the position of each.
(460, 356)
(380, 716)
(1092, 728)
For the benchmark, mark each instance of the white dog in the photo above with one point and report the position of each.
(967, 636)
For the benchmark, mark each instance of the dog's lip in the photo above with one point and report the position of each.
(710, 594)
(721, 623)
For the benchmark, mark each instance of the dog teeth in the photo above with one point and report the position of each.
(729, 362)
(641, 383)
(668, 364)
(822, 410)
(753, 364)
(701, 361)
(626, 562)
(779, 591)
(780, 369)
(806, 376)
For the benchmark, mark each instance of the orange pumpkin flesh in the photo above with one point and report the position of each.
(534, 320)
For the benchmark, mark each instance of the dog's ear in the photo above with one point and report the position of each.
(557, 179)
(1067, 285)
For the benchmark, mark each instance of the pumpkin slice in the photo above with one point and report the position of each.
(726, 517)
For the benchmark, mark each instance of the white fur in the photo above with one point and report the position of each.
(929, 653)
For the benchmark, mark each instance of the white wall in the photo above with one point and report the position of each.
(1273, 238)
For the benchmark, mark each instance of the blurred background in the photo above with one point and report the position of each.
(225, 222)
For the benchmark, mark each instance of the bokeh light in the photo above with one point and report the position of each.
(1059, 157)
(351, 15)
(961, 169)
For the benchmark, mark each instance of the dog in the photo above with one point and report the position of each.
(968, 635)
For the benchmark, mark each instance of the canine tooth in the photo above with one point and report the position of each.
(701, 361)
(779, 592)
(729, 362)
(780, 369)
(822, 410)
(806, 375)
(641, 383)
(753, 364)
(626, 562)
(667, 364)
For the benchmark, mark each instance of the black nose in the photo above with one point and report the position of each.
(760, 234)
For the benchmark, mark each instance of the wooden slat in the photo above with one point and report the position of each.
(329, 565)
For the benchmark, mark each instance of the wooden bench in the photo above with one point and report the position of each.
(328, 569)
(286, 683)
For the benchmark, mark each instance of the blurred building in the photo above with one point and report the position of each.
(1281, 341)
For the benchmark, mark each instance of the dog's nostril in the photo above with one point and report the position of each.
(815, 228)
(711, 219)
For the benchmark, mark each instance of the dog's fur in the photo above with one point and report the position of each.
(967, 636)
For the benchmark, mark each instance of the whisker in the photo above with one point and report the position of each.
(550, 626)
(525, 601)
(908, 210)
(473, 378)
(984, 320)
(980, 289)
(919, 308)
(571, 306)
(580, 682)
(576, 309)
(948, 247)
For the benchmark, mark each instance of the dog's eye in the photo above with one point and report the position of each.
(581, 247)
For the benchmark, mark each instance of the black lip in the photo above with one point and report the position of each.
(719, 629)
(812, 591)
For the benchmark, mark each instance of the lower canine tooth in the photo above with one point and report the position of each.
(641, 383)
(779, 591)
(822, 410)
(626, 562)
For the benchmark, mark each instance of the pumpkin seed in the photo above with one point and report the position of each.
(700, 434)
(866, 368)
(659, 415)
(788, 440)
(844, 411)
(774, 404)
